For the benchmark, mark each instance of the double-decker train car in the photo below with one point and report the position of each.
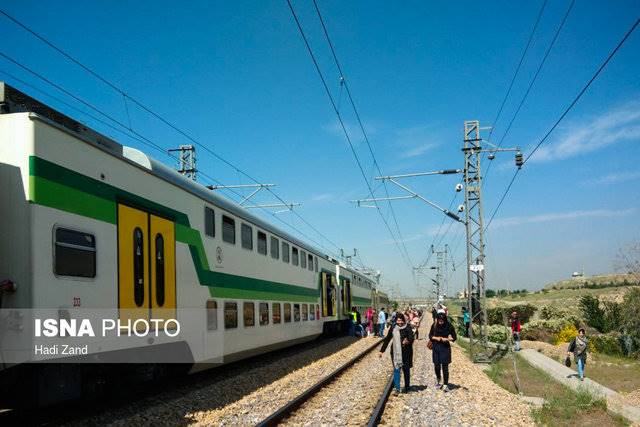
(88, 223)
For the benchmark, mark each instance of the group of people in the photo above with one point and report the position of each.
(401, 336)
(403, 332)
(373, 324)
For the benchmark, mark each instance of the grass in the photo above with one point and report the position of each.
(563, 407)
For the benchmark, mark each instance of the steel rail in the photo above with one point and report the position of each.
(382, 401)
(292, 405)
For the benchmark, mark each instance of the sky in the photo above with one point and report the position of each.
(238, 78)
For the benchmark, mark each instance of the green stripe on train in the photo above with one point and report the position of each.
(360, 300)
(60, 188)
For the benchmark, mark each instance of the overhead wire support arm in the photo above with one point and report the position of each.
(289, 206)
(409, 175)
(427, 201)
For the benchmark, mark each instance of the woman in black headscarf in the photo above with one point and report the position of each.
(441, 335)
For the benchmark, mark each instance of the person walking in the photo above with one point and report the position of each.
(369, 321)
(579, 347)
(516, 327)
(466, 319)
(401, 338)
(382, 319)
(441, 335)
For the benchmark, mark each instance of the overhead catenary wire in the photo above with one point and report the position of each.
(531, 83)
(515, 74)
(345, 83)
(405, 257)
(563, 115)
(158, 116)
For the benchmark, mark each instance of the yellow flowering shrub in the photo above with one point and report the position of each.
(566, 334)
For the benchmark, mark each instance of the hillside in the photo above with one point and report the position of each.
(598, 281)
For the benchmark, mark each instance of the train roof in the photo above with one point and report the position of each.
(14, 101)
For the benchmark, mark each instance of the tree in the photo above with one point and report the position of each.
(490, 293)
(629, 318)
(594, 315)
(628, 259)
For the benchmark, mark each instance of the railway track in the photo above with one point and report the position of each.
(285, 411)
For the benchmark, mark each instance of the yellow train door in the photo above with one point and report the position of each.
(146, 266)
(163, 268)
(133, 265)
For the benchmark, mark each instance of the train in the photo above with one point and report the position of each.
(90, 225)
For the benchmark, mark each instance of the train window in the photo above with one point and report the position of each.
(138, 266)
(75, 253)
(159, 258)
(249, 310)
(315, 263)
(209, 222)
(228, 229)
(230, 315)
(310, 262)
(246, 236)
(311, 312)
(287, 312)
(212, 315)
(276, 313)
(318, 311)
(296, 312)
(303, 259)
(305, 312)
(285, 252)
(275, 248)
(262, 243)
(264, 313)
(294, 255)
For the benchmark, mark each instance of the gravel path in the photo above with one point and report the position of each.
(349, 400)
(238, 394)
(475, 400)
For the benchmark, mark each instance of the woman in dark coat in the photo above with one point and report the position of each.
(401, 337)
(441, 335)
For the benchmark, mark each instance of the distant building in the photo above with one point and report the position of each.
(577, 274)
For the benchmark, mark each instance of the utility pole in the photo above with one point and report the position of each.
(475, 234)
(186, 160)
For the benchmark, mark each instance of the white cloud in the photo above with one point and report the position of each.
(415, 141)
(353, 129)
(617, 125)
(322, 197)
(616, 177)
(561, 216)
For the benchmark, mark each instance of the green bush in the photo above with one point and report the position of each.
(593, 313)
(495, 315)
(497, 333)
(544, 330)
(611, 343)
(630, 321)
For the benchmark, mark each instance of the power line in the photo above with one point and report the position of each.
(343, 81)
(154, 114)
(533, 80)
(515, 74)
(344, 129)
(563, 115)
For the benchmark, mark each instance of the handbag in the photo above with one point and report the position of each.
(430, 345)
(567, 362)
